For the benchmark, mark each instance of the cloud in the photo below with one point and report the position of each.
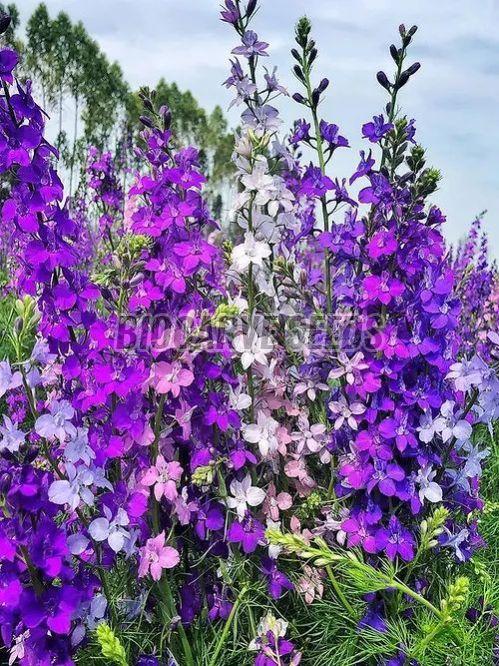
(454, 98)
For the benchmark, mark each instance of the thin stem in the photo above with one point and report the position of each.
(339, 591)
(223, 636)
(322, 164)
(154, 454)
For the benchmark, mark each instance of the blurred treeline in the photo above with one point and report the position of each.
(91, 103)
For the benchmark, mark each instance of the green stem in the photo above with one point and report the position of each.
(339, 591)
(154, 454)
(414, 595)
(223, 636)
(166, 593)
(322, 165)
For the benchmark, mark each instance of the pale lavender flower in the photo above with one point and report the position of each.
(8, 380)
(428, 488)
(11, 437)
(349, 368)
(346, 412)
(57, 424)
(78, 449)
(263, 433)
(448, 426)
(111, 529)
(74, 489)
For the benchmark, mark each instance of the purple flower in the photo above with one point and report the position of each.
(251, 47)
(249, 533)
(382, 288)
(315, 183)
(330, 134)
(396, 540)
(8, 61)
(376, 130)
(230, 13)
(276, 580)
(380, 190)
(300, 132)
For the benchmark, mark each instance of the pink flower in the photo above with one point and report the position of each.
(155, 557)
(297, 469)
(273, 503)
(170, 378)
(163, 476)
(311, 584)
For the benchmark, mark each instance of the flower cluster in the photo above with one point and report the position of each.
(175, 397)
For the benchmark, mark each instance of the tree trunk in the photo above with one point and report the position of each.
(73, 154)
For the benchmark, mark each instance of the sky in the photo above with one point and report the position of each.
(454, 97)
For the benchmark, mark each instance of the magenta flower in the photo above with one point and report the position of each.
(383, 243)
(163, 476)
(155, 556)
(382, 288)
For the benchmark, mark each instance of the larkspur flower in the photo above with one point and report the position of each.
(164, 476)
(251, 251)
(244, 495)
(155, 556)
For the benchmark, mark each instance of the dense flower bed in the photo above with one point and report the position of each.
(193, 406)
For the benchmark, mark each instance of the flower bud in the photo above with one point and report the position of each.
(383, 80)
(145, 120)
(136, 280)
(402, 80)
(323, 85)
(251, 7)
(166, 114)
(4, 23)
(299, 73)
(299, 98)
(413, 68)
(303, 28)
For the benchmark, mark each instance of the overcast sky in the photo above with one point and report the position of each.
(454, 97)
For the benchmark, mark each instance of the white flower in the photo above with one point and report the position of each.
(17, 650)
(244, 495)
(263, 433)
(428, 489)
(261, 182)
(239, 400)
(249, 252)
(467, 374)
(426, 428)
(251, 348)
(11, 437)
